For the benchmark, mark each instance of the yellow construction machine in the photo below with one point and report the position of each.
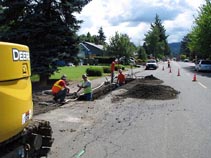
(20, 135)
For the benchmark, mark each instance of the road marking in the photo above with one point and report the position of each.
(80, 153)
(202, 85)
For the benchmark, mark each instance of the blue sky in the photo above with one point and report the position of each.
(133, 17)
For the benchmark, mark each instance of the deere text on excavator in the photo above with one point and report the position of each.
(20, 135)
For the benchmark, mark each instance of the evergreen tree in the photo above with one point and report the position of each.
(184, 46)
(48, 27)
(89, 37)
(96, 39)
(162, 32)
(82, 38)
(101, 36)
(142, 53)
(156, 40)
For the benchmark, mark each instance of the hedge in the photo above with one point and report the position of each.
(117, 67)
(106, 69)
(94, 71)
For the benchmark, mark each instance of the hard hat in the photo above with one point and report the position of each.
(84, 76)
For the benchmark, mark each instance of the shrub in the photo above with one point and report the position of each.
(105, 60)
(106, 69)
(94, 71)
(117, 67)
(183, 57)
(87, 61)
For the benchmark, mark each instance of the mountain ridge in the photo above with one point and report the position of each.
(175, 48)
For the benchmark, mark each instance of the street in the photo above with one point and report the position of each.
(115, 127)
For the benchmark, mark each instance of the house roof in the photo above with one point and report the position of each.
(87, 49)
(84, 46)
(95, 45)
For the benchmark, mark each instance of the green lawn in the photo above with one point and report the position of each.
(73, 73)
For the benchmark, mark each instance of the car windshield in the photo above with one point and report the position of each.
(151, 61)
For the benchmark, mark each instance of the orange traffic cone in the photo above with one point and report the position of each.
(163, 68)
(194, 77)
(178, 73)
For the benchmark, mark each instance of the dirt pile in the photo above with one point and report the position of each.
(149, 88)
(147, 91)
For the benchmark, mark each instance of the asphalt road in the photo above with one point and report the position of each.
(112, 127)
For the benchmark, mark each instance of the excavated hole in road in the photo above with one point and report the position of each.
(148, 87)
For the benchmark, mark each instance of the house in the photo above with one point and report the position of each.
(90, 50)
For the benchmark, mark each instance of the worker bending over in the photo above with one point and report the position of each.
(60, 89)
(120, 78)
(86, 85)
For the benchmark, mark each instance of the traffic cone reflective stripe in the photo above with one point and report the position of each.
(194, 77)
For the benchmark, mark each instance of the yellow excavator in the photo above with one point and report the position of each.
(20, 135)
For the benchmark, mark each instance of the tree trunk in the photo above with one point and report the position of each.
(43, 79)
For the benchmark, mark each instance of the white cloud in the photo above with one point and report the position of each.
(134, 17)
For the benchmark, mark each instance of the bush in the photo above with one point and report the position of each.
(94, 71)
(106, 69)
(140, 61)
(117, 67)
(87, 61)
(105, 60)
(183, 57)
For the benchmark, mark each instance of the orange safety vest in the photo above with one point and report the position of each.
(112, 66)
(121, 78)
(56, 87)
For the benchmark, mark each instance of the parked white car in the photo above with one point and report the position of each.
(186, 60)
(203, 65)
(151, 64)
(70, 64)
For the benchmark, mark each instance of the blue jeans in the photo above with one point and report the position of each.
(60, 95)
(112, 77)
(87, 97)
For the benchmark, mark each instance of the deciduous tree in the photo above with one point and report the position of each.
(200, 36)
(120, 45)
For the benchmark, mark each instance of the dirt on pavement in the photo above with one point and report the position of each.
(148, 87)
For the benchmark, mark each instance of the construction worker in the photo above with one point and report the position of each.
(60, 89)
(169, 64)
(112, 71)
(86, 85)
(120, 78)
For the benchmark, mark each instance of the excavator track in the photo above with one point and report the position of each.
(34, 142)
